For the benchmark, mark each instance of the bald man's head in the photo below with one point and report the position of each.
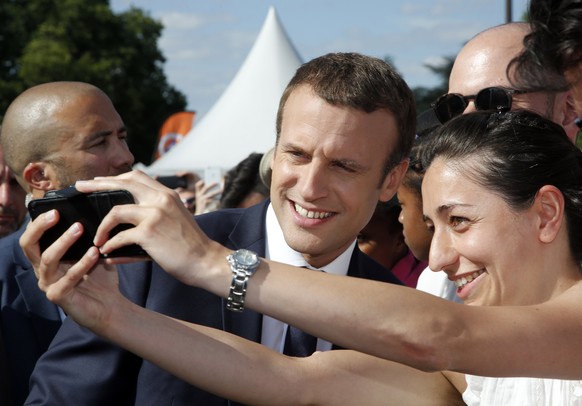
(31, 125)
(482, 63)
(56, 133)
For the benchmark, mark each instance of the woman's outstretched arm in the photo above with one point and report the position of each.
(231, 366)
(384, 320)
(238, 369)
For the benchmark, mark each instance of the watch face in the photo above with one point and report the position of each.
(246, 257)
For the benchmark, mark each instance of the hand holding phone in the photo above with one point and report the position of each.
(88, 209)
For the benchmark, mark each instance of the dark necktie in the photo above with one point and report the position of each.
(298, 343)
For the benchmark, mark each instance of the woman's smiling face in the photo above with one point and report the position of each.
(479, 241)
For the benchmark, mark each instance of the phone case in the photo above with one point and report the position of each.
(88, 209)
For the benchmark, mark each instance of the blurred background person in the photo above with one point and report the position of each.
(243, 186)
(12, 197)
(396, 236)
(552, 57)
(479, 81)
(52, 135)
(198, 196)
(417, 234)
(383, 240)
(187, 190)
(195, 194)
(207, 196)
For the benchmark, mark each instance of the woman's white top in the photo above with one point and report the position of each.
(485, 391)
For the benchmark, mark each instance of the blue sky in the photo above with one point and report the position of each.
(206, 41)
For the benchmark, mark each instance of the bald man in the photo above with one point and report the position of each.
(479, 81)
(52, 135)
(12, 196)
(479, 75)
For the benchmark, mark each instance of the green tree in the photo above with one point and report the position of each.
(424, 95)
(83, 40)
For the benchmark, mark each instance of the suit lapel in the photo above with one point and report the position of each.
(44, 315)
(250, 230)
(355, 268)
(34, 299)
(362, 266)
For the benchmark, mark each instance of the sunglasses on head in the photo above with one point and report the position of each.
(491, 98)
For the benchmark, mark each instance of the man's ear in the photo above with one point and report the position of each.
(567, 114)
(549, 204)
(392, 181)
(37, 176)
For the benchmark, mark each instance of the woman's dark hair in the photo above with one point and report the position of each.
(553, 47)
(513, 155)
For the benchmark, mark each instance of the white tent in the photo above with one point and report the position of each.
(243, 119)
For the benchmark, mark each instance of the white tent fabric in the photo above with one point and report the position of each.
(243, 119)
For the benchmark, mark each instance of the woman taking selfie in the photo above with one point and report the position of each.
(503, 192)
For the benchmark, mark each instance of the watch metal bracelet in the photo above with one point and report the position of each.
(238, 289)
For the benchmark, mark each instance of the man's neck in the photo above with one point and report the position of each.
(278, 250)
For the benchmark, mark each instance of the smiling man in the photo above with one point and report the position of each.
(345, 126)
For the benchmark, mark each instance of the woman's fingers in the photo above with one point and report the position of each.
(29, 241)
(57, 290)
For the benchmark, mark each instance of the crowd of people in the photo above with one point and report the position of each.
(363, 260)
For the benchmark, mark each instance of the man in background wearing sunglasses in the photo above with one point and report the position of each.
(479, 81)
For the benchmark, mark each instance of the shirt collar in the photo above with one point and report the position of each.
(278, 250)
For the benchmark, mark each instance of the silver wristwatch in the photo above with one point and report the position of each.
(244, 264)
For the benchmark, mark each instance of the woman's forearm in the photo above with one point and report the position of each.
(213, 360)
(417, 329)
(378, 318)
(244, 371)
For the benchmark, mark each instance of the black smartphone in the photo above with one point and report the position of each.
(87, 208)
(173, 182)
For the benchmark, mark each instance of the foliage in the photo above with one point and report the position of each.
(424, 95)
(83, 40)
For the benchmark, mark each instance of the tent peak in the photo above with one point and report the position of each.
(243, 119)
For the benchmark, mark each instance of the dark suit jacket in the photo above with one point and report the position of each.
(28, 321)
(81, 369)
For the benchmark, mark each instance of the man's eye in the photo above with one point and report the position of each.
(99, 141)
(296, 154)
(343, 167)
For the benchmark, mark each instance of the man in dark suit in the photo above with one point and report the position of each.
(52, 135)
(12, 208)
(344, 130)
(80, 367)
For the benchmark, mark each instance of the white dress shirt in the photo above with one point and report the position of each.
(274, 331)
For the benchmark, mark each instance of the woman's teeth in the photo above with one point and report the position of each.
(466, 279)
